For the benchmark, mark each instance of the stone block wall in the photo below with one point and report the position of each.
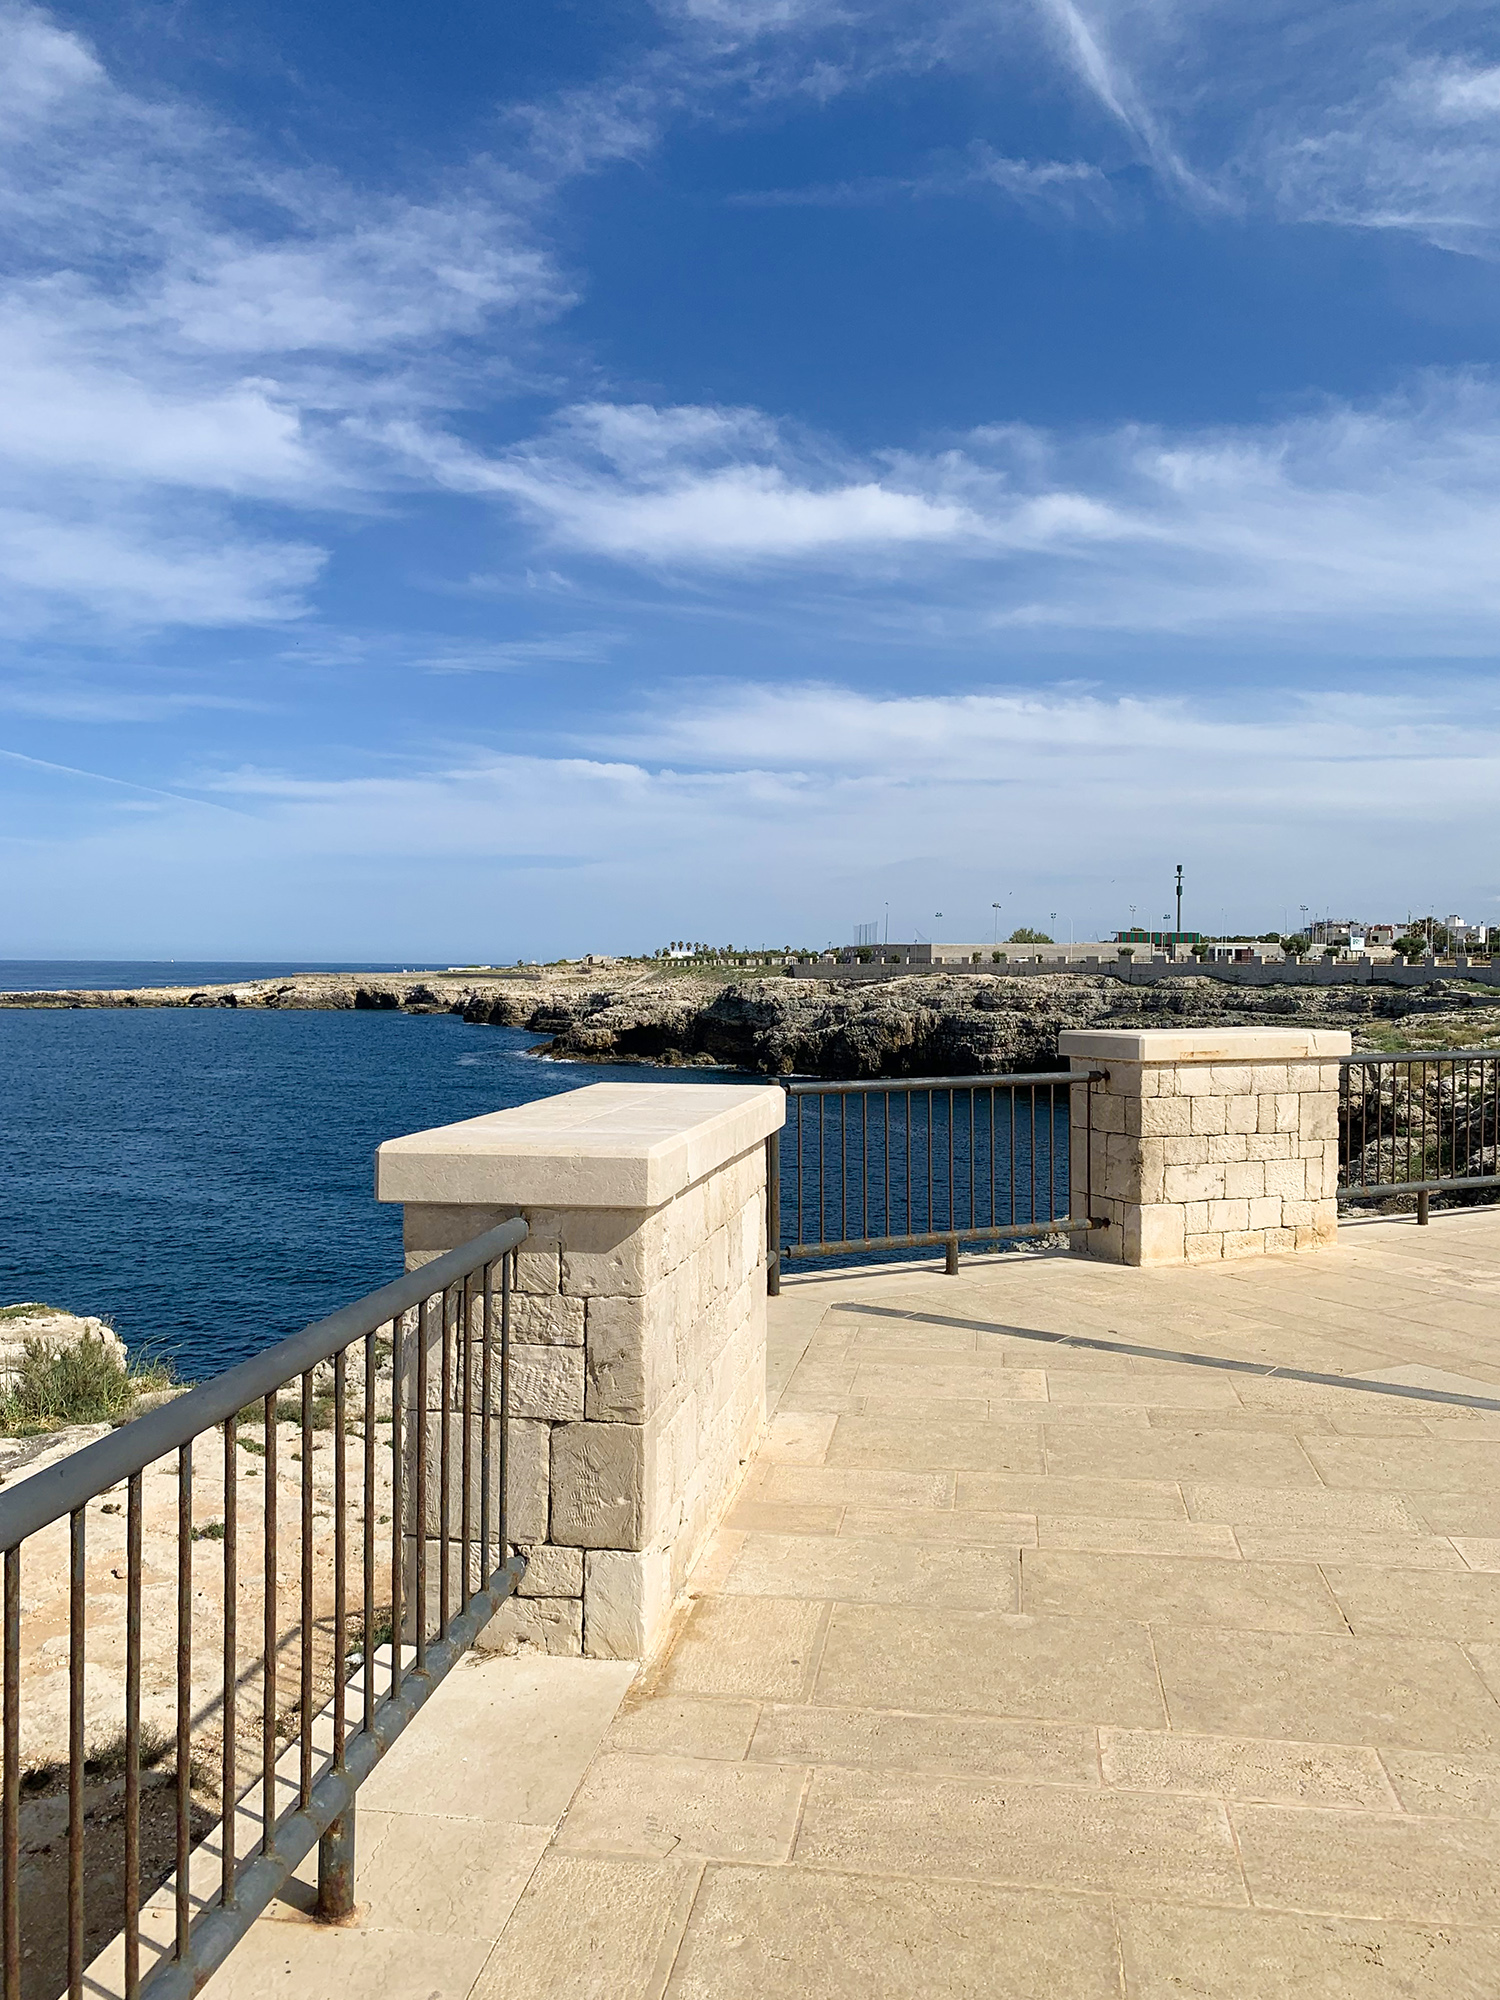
(1205, 1145)
(637, 1393)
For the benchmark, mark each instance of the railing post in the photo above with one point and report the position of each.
(336, 1866)
(775, 1215)
(950, 1259)
(1423, 1200)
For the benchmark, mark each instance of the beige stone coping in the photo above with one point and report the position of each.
(609, 1145)
(1218, 1045)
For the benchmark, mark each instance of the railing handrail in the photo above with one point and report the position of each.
(818, 1088)
(58, 1490)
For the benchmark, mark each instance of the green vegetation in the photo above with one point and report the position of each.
(1027, 936)
(35, 1310)
(86, 1382)
(211, 1531)
(1477, 1028)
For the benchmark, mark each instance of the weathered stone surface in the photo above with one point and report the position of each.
(535, 1625)
(546, 1382)
(598, 1475)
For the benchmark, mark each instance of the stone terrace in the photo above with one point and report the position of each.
(1043, 1657)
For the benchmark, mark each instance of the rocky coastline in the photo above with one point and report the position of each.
(932, 1024)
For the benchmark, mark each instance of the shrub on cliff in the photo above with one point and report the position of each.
(85, 1382)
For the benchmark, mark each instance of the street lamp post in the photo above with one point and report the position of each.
(1179, 899)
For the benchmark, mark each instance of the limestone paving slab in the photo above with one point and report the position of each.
(886, 1444)
(1306, 1686)
(961, 1746)
(658, 1805)
(760, 1931)
(1172, 1952)
(879, 1571)
(991, 1663)
(911, 1823)
(1444, 1604)
(1179, 1590)
(1237, 1767)
(1372, 1864)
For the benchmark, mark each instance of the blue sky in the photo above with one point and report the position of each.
(490, 480)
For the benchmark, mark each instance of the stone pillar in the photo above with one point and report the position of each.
(638, 1330)
(1206, 1143)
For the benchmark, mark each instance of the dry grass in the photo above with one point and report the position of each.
(84, 1382)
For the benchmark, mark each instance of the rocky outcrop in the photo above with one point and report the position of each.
(928, 1026)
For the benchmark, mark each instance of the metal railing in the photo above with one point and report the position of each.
(186, 1774)
(1419, 1123)
(905, 1163)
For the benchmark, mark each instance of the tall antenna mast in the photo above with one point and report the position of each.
(1179, 899)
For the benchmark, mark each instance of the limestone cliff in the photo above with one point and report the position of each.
(928, 1025)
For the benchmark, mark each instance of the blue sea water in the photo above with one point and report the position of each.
(204, 1178)
(94, 975)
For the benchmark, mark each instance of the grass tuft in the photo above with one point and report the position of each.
(85, 1382)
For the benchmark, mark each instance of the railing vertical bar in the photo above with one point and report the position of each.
(466, 1467)
(865, 1163)
(507, 1267)
(798, 1102)
(822, 1177)
(843, 1169)
(1031, 1212)
(1013, 1157)
(398, 1497)
(991, 1142)
(367, 1545)
(1051, 1151)
(953, 1153)
(229, 1775)
(340, 1563)
(10, 1886)
(885, 1098)
(269, 1637)
(77, 1638)
(132, 1887)
(184, 1692)
(931, 1121)
(419, 1492)
(486, 1568)
(445, 1472)
(305, 1605)
(909, 1230)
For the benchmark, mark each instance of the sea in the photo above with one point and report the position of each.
(203, 1178)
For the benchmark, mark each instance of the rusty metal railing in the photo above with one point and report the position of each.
(1419, 1123)
(912, 1162)
(153, 1810)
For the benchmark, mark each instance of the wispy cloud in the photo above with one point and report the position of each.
(182, 322)
(800, 808)
(1371, 525)
(1066, 185)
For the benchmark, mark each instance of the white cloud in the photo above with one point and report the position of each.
(801, 808)
(1417, 150)
(180, 319)
(1358, 526)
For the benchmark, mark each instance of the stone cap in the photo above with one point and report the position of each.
(1211, 1045)
(609, 1145)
